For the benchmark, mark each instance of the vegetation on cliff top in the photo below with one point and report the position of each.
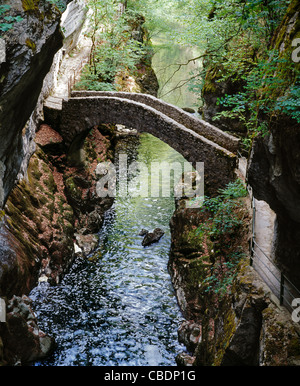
(245, 44)
(10, 15)
(117, 45)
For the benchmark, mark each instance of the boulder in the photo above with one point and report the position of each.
(87, 243)
(189, 333)
(152, 237)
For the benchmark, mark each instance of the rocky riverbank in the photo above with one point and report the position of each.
(49, 218)
(52, 211)
(232, 318)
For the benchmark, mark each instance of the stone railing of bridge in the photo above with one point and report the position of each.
(201, 127)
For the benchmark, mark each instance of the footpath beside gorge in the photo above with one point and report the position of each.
(51, 213)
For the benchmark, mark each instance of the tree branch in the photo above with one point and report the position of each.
(180, 65)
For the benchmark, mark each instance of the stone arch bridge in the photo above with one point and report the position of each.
(195, 139)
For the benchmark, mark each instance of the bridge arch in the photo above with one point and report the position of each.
(80, 113)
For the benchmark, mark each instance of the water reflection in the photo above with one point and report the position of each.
(172, 79)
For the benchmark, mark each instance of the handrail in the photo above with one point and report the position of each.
(284, 285)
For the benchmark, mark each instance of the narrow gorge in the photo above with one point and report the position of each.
(78, 285)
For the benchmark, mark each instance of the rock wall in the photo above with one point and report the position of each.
(274, 164)
(34, 49)
(232, 319)
(37, 221)
(30, 48)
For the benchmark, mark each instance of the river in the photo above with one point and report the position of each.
(118, 307)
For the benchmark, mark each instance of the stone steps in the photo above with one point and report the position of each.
(53, 103)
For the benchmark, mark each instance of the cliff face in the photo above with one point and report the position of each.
(274, 164)
(51, 210)
(274, 174)
(232, 319)
(30, 47)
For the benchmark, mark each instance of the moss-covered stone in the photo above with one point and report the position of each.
(73, 191)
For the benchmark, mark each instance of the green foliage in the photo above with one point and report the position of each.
(7, 21)
(262, 16)
(223, 274)
(223, 223)
(222, 208)
(290, 103)
(235, 38)
(159, 16)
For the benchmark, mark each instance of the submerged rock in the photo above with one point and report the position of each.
(151, 237)
(189, 110)
(143, 232)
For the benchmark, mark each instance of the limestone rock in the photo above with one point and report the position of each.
(30, 48)
(87, 243)
(273, 173)
(189, 333)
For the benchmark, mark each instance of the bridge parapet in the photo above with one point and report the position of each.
(201, 127)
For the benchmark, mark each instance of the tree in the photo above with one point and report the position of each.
(114, 50)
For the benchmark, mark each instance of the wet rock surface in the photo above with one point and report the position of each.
(273, 173)
(22, 340)
(151, 237)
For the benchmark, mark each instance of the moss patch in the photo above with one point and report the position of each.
(31, 6)
(30, 44)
